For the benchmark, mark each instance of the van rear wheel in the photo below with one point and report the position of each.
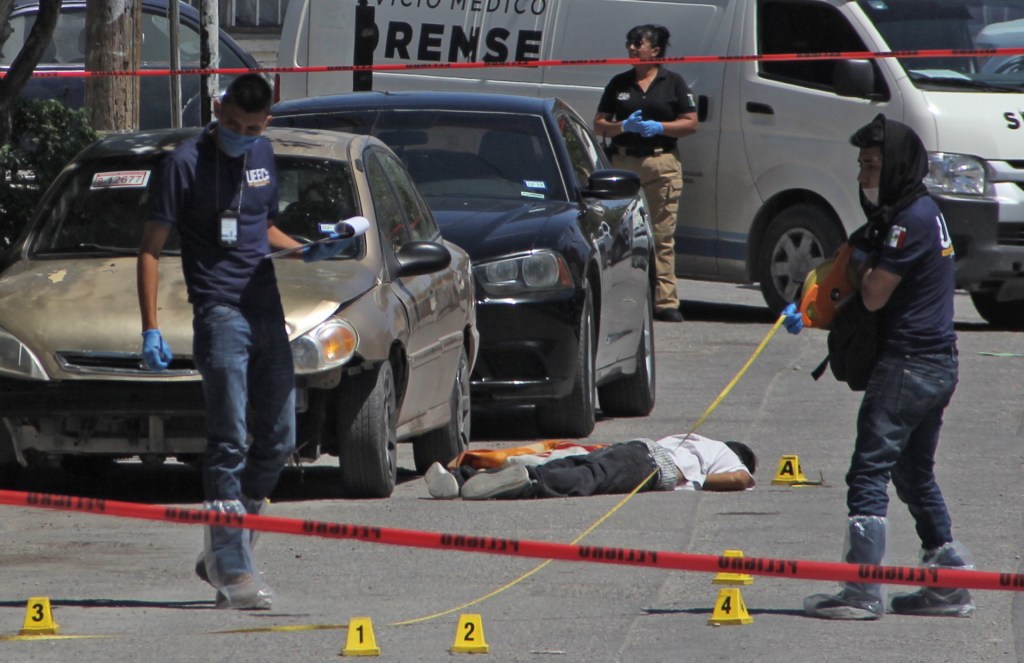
(799, 239)
(1002, 315)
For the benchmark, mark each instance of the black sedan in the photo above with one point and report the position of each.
(560, 243)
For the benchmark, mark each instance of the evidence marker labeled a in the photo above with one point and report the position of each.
(789, 471)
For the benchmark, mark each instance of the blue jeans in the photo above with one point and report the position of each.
(246, 362)
(897, 435)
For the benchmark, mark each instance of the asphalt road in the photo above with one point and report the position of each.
(131, 580)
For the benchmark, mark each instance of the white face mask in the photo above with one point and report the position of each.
(871, 195)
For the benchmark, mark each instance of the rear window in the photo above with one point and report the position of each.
(459, 153)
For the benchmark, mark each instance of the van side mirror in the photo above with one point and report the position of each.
(612, 183)
(854, 78)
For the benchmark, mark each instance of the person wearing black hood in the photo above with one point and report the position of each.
(906, 261)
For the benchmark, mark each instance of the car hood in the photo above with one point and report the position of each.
(91, 304)
(487, 228)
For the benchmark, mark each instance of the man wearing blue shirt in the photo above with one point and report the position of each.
(907, 276)
(219, 189)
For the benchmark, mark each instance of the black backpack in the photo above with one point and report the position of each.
(853, 343)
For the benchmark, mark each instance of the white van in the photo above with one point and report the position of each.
(770, 175)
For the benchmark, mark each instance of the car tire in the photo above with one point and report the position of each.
(798, 239)
(1001, 315)
(573, 416)
(367, 442)
(444, 444)
(633, 395)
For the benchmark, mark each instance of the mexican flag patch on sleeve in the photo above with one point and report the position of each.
(897, 235)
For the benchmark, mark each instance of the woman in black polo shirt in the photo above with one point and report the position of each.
(645, 111)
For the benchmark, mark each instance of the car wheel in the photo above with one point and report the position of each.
(367, 443)
(573, 416)
(633, 396)
(799, 239)
(444, 444)
(1003, 315)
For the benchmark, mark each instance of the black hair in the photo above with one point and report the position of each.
(250, 92)
(656, 35)
(746, 454)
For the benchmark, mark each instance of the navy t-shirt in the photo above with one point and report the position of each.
(666, 99)
(918, 318)
(192, 186)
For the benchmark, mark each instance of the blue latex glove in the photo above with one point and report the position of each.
(794, 321)
(315, 252)
(650, 128)
(633, 123)
(156, 354)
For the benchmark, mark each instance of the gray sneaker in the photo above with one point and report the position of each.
(441, 483)
(844, 605)
(507, 483)
(934, 601)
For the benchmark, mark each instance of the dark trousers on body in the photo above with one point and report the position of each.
(611, 470)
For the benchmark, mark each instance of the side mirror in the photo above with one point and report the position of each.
(612, 183)
(417, 258)
(854, 78)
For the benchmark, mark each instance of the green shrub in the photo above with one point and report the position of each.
(45, 136)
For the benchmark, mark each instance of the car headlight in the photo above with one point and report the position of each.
(329, 344)
(955, 173)
(17, 360)
(544, 270)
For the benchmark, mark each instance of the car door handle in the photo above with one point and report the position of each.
(763, 109)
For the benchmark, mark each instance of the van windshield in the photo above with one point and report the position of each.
(954, 25)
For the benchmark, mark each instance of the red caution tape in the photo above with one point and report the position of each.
(781, 568)
(774, 57)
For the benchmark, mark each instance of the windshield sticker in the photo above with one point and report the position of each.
(531, 194)
(121, 179)
(535, 184)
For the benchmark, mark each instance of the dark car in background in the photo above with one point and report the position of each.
(383, 337)
(560, 243)
(66, 52)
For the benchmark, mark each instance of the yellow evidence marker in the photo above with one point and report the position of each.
(469, 636)
(39, 618)
(360, 640)
(729, 578)
(730, 609)
(789, 471)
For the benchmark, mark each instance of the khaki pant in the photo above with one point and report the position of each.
(661, 177)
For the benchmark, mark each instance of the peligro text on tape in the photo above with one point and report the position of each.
(319, 69)
(782, 568)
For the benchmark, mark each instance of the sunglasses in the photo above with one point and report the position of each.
(636, 43)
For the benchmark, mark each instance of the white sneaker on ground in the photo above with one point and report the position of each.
(245, 592)
(441, 484)
(506, 483)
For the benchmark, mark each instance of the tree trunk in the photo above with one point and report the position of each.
(112, 33)
(25, 62)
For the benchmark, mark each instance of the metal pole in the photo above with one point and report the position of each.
(209, 56)
(367, 35)
(173, 19)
